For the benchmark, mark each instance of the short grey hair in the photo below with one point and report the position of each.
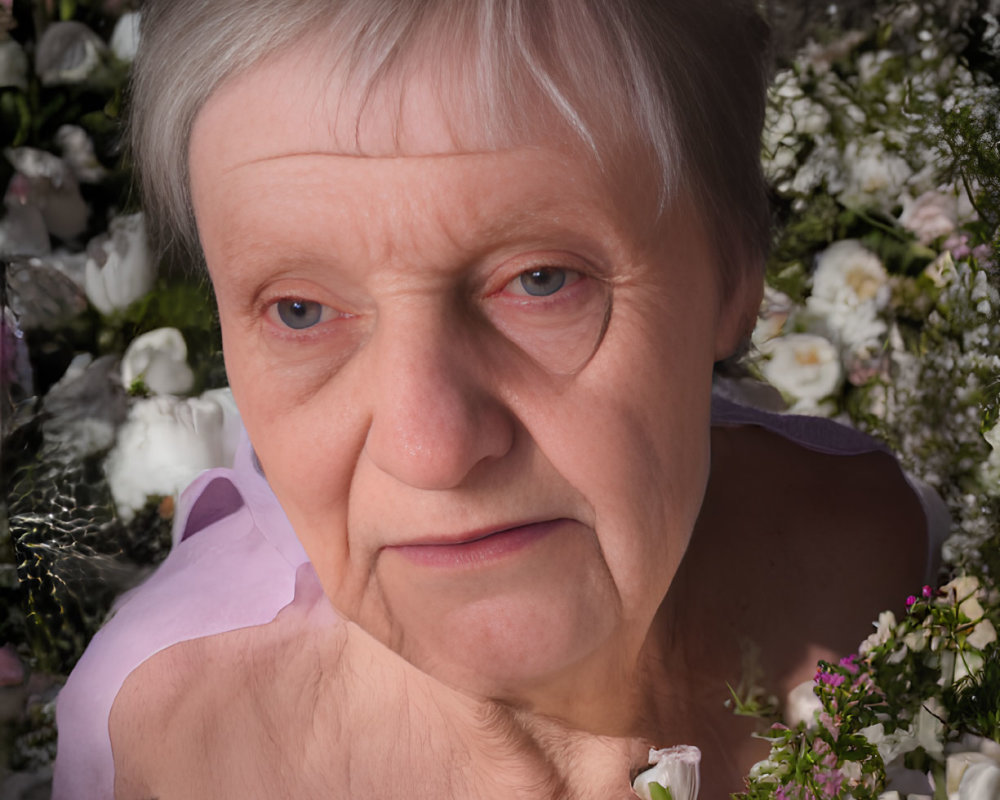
(679, 83)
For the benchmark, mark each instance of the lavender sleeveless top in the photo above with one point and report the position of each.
(234, 564)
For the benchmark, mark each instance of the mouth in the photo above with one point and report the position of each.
(476, 548)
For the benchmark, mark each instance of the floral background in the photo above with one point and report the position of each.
(882, 310)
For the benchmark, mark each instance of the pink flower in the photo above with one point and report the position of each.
(848, 663)
(830, 781)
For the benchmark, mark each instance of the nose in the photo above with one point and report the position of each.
(435, 416)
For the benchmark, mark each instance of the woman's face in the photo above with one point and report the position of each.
(478, 382)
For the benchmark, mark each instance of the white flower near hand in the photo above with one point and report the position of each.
(120, 266)
(804, 367)
(163, 444)
(930, 216)
(159, 359)
(802, 705)
(675, 768)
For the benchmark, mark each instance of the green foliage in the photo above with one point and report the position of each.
(658, 792)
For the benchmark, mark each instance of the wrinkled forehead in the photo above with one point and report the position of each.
(301, 101)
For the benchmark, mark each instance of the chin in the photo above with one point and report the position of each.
(503, 633)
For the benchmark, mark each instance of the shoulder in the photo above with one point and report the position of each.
(203, 715)
(810, 545)
(184, 600)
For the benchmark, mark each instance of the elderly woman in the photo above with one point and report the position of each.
(474, 262)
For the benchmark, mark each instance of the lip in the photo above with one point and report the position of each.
(477, 547)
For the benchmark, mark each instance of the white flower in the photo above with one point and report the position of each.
(125, 37)
(972, 776)
(884, 628)
(78, 151)
(962, 591)
(47, 182)
(890, 745)
(675, 768)
(67, 53)
(850, 286)
(120, 266)
(802, 705)
(983, 634)
(13, 64)
(159, 359)
(930, 216)
(849, 274)
(775, 308)
(163, 445)
(803, 366)
(875, 176)
(930, 727)
(992, 437)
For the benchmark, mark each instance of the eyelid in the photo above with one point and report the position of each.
(577, 267)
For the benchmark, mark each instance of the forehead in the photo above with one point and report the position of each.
(318, 106)
(270, 126)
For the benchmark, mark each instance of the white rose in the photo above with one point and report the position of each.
(803, 366)
(930, 216)
(125, 37)
(849, 274)
(972, 776)
(875, 177)
(159, 359)
(120, 266)
(802, 705)
(850, 286)
(164, 443)
(675, 768)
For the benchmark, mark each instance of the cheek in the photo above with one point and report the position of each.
(307, 445)
(632, 437)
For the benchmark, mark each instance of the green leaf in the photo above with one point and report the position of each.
(658, 792)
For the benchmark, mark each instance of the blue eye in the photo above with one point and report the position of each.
(299, 314)
(542, 282)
